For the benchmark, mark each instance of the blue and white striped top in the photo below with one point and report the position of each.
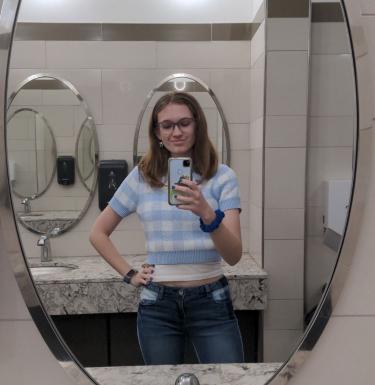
(173, 235)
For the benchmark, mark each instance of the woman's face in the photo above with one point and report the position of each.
(176, 129)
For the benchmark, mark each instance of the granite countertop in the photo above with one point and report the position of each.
(94, 287)
(209, 374)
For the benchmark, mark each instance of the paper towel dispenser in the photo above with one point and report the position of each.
(111, 174)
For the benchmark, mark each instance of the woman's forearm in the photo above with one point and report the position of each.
(227, 244)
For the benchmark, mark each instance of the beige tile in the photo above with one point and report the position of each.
(285, 131)
(256, 177)
(256, 133)
(285, 34)
(24, 344)
(287, 76)
(283, 315)
(329, 38)
(257, 83)
(279, 344)
(232, 88)
(332, 85)
(12, 303)
(285, 178)
(283, 261)
(28, 54)
(101, 54)
(331, 131)
(258, 46)
(124, 93)
(367, 7)
(325, 164)
(218, 54)
(240, 161)
(114, 137)
(284, 223)
(239, 136)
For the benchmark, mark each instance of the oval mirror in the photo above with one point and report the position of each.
(290, 104)
(50, 129)
(218, 131)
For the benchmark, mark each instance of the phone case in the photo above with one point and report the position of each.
(178, 169)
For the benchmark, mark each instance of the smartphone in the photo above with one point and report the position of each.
(178, 169)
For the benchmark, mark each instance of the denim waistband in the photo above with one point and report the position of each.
(163, 289)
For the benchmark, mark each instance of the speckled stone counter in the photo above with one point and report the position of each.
(215, 374)
(94, 287)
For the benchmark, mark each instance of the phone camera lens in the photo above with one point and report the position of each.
(186, 163)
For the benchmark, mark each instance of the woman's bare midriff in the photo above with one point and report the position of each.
(197, 282)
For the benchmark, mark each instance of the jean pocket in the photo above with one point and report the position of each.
(221, 295)
(148, 297)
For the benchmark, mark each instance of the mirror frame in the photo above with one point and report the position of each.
(41, 116)
(12, 247)
(89, 117)
(226, 153)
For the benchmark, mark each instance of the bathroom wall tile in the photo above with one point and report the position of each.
(285, 34)
(320, 261)
(256, 177)
(240, 164)
(245, 239)
(287, 76)
(283, 261)
(16, 76)
(124, 93)
(327, 163)
(12, 307)
(239, 136)
(257, 83)
(332, 77)
(255, 232)
(100, 54)
(284, 315)
(367, 7)
(284, 223)
(329, 38)
(200, 73)
(28, 54)
(217, 54)
(257, 44)
(256, 133)
(25, 345)
(232, 88)
(331, 131)
(116, 137)
(315, 220)
(285, 131)
(60, 118)
(278, 344)
(284, 168)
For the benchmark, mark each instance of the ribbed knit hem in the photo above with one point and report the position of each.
(183, 256)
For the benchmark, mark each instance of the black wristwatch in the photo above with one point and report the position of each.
(129, 275)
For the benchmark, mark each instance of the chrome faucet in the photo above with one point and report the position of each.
(45, 244)
(26, 205)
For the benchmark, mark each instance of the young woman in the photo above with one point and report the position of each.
(184, 294)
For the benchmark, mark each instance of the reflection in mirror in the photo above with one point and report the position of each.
(47, 118)
(292, 125)
(218, 131)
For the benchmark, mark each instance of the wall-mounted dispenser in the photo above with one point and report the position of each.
(111, 174)
(65, 170)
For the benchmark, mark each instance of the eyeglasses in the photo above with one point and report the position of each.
(182, 124)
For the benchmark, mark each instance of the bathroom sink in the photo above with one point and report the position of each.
(51, 268)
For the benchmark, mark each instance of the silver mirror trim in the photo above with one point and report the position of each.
(226, 153)
(12, 247)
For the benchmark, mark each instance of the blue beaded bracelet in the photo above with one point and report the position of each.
(214, 224)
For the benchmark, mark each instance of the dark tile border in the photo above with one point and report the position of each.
(326, 13)
(288, 8)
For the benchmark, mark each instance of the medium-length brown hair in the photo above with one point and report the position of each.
(154, 164)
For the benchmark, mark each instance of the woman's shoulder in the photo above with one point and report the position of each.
(224, 170)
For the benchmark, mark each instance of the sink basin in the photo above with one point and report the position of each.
(51, 268)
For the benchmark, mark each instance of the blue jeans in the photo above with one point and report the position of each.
(203, 314)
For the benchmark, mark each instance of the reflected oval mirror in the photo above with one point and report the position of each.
(218, 131)
(50, 129)
(32, 153)
(291, 113)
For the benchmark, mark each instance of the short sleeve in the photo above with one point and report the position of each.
(125, 199)
(228, 189)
